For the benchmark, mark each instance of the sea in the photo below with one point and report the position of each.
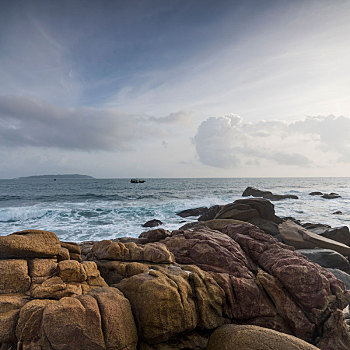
(95, 209)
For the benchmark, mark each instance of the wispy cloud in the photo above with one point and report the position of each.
(29, 122)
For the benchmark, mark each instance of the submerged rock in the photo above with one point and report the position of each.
(331, 195)
(152, 223)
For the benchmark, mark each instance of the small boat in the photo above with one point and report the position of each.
(137, 181)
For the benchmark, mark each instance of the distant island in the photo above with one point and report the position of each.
(61, 176)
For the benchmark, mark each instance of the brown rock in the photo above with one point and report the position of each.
(9, 310)
(93, 276)
(335, 334)
(14, 276)
(211, 213)
(114, 271)
(42, 267)
(186, 299)
(210, 250)
(29, 322)
(246, 209)
(248, 337)
(154, 235)
(71, 271)
(55, 288)
(310, 286)
(72, 323)
(215, 224)
(171, 310)
(152, 252)
(29, 244)
(192, 212)
(117, 320)
(63, 255)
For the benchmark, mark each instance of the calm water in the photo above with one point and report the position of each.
(95, 209)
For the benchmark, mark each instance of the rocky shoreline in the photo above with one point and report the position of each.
(239, 274)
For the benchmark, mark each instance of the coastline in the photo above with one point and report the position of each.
(172, 290)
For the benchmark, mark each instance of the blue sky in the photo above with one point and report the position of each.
(175, 88)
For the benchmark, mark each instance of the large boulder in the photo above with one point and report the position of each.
(301, 238)
(181, 299)
(339, 234)
(210, 213)
(14, 276)
(248, 337)
(101, 319)
(254, 192)
(29, 244)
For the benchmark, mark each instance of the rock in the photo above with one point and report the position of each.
(210, 250)
(301, 238)
(316, 193)
(254, 192)
(292, 270)
(74, 250)
(63, 254)
(93, 277)
(152, 252)
(10, 306)
(216, 224)
(71, 271)
(335, 334)
(29, 244)
(154, 235)
(339, 234)
(315, 228)
(185, 300)
(14, 276)
(267, 226)
(248, 337)
(42, 267)
(338, 212)
(115, 271)
(331, 195)
(152, 223)
(343, 276)
(192, 212)
(118, 323)
(326, 258)
(210, 213)
(246, 209)
(55, 288)
(101, 319)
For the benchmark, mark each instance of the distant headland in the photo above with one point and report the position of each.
(58, 176)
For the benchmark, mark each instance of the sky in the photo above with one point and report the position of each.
(175, 88)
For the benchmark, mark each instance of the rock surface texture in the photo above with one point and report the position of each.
(254, 192)
(168, 291)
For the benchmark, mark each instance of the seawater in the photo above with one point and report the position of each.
(95, 209)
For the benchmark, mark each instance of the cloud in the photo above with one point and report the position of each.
(226, 142)
(27, 121)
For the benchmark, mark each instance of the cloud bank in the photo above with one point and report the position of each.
(29, 122)
(229, 142)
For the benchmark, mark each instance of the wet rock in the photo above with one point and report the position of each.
(29, 244)
(326, 258)
(192, 212)
(316, 193)
(331, 195)
(338, 212)
(152, 223)
(248, 337)
(254, 192)
(216, 224)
